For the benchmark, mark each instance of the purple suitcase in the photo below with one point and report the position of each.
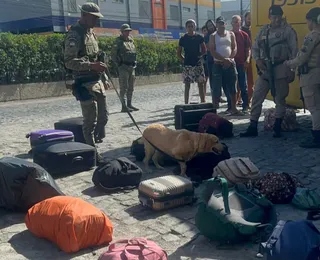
(47, 136)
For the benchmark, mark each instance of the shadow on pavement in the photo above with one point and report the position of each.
(149, 121)
(202, 248)
(9, 218)
(32, 247)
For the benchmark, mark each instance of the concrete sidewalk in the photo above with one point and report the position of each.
(170, 229)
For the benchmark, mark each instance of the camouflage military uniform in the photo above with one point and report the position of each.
(81, 48)
(309, 56)
(282, 46)
(124, 55)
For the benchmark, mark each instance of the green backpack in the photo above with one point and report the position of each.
(232, 215)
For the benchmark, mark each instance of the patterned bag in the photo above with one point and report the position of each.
(136, 248)
(279, 188)
(289, 123)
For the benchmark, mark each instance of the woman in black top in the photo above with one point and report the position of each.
(193, 71)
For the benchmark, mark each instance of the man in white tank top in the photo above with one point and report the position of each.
(223, 48)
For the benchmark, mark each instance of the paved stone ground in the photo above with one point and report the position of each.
(171, 229)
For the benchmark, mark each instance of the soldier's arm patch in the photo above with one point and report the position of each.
(72, 42)
(304, 49)
(307, 40)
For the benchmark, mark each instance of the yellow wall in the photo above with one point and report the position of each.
(295, 13)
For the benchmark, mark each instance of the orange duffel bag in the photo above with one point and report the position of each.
(71, 223)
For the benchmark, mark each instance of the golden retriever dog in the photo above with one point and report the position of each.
(182, 145)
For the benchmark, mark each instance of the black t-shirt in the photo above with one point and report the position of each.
(192, 49)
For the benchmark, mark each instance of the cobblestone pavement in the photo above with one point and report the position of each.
(171, 229)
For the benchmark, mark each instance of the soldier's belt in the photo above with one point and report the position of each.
(129, 63)
(86, 79)
(276, 63)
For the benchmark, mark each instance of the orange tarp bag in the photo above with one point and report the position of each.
(71, 223)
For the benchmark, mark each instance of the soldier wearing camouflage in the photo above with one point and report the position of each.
(125, 57)
(282, 45)
(308, 61)
(81, 56)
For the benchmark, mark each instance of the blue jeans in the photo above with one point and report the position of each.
(243, 85)
(210, 71)
(225, 78)
(211, 82)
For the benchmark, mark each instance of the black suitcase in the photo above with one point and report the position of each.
(188, 116)
(65, 157)
(73, 125)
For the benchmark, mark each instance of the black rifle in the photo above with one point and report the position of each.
(270, 65)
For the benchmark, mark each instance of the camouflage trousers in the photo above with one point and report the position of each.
(126, 82)
(95, 117)
(260, 93)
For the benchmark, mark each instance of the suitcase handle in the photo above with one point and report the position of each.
(77, 159)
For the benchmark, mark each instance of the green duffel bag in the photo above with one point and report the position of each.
(232, 215)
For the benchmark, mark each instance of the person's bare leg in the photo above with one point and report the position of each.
(186, 93)
(201, 87)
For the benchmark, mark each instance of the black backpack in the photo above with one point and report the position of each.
(116, 174)
(201, 166)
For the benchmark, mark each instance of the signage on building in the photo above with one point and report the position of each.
(161, 34)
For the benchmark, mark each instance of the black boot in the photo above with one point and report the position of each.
(252, 130)
(277, 128)
(129, 105)
(313, 142)
(125, 109)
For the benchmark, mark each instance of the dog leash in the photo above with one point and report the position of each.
(106, 77)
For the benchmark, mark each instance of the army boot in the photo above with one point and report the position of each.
(124, 107)
(277, 128)
(129, 105)
(313, 142)
(252, 130)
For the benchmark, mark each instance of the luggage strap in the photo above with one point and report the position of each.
(273, 239)
(136, 125)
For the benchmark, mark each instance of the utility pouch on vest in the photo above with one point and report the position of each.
(80, 92)
(303, 69)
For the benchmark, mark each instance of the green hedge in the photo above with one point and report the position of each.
(34, 58)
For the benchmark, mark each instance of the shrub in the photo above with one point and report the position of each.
(34, 58)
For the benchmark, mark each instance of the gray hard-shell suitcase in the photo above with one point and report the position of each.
(166, 192)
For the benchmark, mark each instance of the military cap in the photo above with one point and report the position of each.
(125, 27)
(220, 19)
(314, 14)
(275, 10)
(91, 8)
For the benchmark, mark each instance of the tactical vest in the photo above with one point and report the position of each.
(277, 38)
(127, 50)
(89, 48)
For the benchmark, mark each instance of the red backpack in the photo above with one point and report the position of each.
(212, 123)
(132, 249)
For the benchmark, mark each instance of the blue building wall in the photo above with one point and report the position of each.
(32, 16)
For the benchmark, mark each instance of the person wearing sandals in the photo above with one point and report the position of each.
(242, 59)
(194, 48)
(223, 48)
(211, 28)
(205, 64)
